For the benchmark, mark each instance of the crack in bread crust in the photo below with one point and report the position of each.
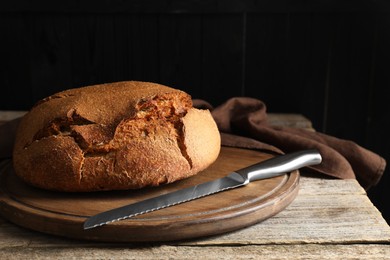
(179, 126)
(169, 109)
(61, 126)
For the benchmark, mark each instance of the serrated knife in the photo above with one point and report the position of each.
(273, 167)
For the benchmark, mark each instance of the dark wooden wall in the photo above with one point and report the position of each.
(328, 60)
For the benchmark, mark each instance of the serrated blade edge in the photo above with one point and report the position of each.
(231, 181)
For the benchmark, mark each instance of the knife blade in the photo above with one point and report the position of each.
(273, 167)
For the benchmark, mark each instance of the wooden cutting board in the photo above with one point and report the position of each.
(63, 214)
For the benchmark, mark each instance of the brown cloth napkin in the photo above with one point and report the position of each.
(243, 123)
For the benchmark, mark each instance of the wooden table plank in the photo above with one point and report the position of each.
(289, 120)
(279, 251)
(327, 252)
(325, 211)
(9, 115)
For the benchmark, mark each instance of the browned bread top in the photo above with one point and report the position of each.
(112, 136)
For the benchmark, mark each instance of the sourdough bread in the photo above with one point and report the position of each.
(116, 136)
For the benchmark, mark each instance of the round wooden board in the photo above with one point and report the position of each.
(63, 214)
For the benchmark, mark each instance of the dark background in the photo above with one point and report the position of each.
(328, 60)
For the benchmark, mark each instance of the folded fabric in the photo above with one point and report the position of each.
(243, 123)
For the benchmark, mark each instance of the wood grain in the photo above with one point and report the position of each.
(205, 252)
(64, 213)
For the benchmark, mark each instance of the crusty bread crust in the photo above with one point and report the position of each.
(116, 136)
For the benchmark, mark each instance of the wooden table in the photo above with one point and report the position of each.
(329, 219)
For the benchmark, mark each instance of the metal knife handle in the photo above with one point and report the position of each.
(280, 165)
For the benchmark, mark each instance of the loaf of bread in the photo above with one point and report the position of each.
(117, 136)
